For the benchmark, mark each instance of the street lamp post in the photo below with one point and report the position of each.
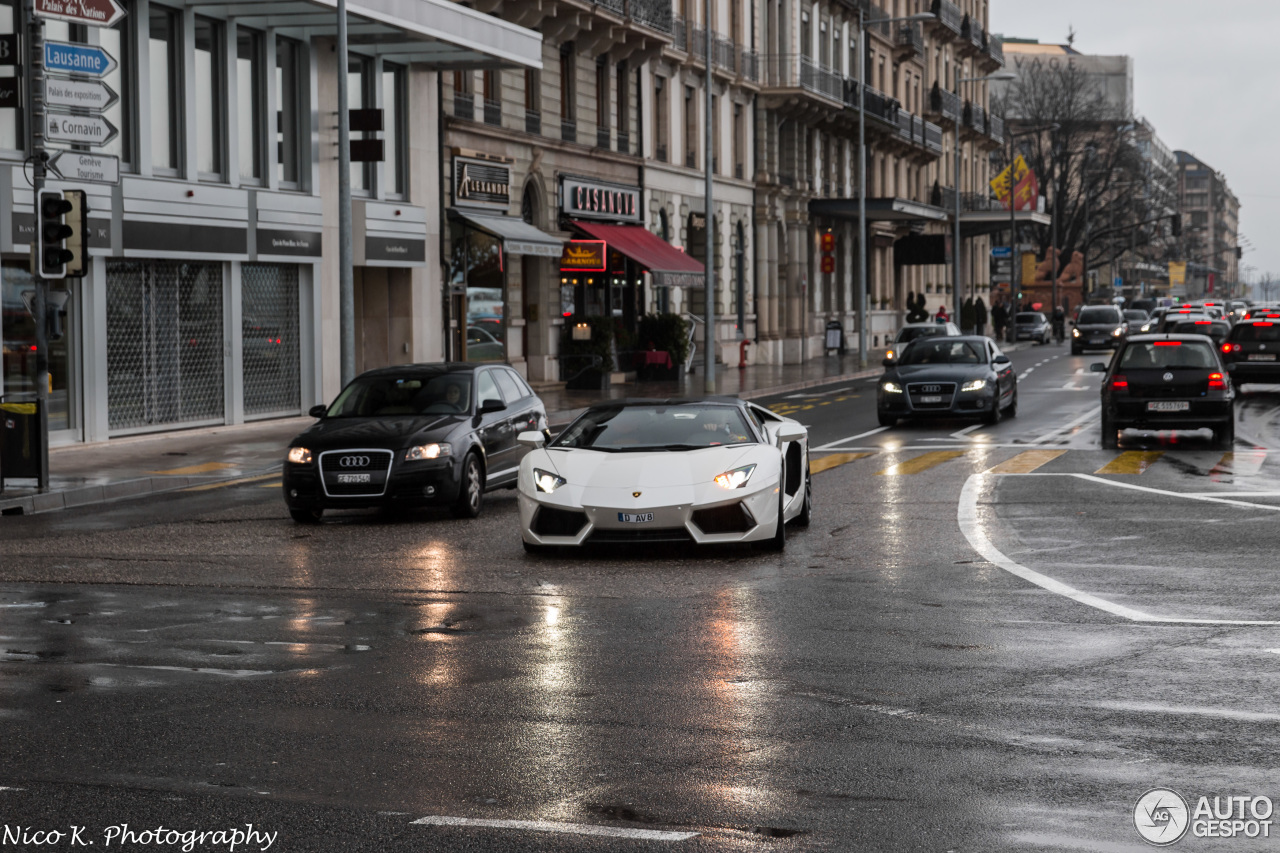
(862, 168)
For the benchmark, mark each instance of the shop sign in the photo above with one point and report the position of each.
(583, 256)
(591, 200)
(479, 183)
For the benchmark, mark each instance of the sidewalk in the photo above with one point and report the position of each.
(123, 468)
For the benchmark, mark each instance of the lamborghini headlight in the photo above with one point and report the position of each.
(427, 451)
(547, 482)
(735, 479)
(892, 388)
(299, 455)
(975, 385)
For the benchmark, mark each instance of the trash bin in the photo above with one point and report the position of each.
(835, 336)
(19, 441)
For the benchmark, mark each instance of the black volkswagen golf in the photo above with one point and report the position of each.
(413, 435)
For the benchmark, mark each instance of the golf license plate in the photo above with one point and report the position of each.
(931, 399)
(354, 478)
(1168, 406)
(1262, 356)
(635, 517)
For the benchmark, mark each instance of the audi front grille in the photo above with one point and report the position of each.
(919, 390)
(355, 473)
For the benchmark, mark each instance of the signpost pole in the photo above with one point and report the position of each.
(346, 272)
(709, 330)
(38, 157)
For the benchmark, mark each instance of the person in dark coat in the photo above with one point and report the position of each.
(979, 316)
(999, 316)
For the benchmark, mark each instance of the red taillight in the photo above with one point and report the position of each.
(1168, 343)
(1216, 381)
(1263, 323)
(1204, 322)
(1119, 381)
(1226, 347)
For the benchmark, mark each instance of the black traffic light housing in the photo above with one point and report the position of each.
(77, 242)
(1175, 224)
(52, 232)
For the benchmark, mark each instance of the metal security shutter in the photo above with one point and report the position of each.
(270, 340)
(164, 345)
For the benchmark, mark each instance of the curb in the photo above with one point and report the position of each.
(120, 490)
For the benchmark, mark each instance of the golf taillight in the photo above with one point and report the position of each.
(1119, 381)
(1216, 381)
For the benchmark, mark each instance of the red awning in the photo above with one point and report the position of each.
(649, 251)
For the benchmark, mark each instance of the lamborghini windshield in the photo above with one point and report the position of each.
(661, 426)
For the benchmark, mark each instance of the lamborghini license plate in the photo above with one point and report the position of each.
(635, 518)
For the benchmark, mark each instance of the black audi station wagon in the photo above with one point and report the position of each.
(413, 435)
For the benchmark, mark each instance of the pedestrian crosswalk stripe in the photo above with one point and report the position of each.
(921, 463)
(1131, 462)
(833, 460)
(1025, 463)
(1243, 463)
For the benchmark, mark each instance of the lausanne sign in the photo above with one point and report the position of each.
(95, 13)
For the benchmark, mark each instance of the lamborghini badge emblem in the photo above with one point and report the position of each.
(635, 494)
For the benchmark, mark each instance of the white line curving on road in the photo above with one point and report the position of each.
(972, 528)
(555, 826)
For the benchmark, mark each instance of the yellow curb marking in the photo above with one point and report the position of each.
(920, 463)
(1025, 463)
(834, 460)
(207, 486)
(1131, 462)
(202, 468)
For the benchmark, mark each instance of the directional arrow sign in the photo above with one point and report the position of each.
(85, 130)
(95, 13)
(80, 166)
(89, 59)
(79, 94)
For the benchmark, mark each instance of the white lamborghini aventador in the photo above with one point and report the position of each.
(708, 471)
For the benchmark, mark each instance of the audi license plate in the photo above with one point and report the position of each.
(1262, 356)
(1168, 406)
(635, 518)
(931, 399)
(354, 478)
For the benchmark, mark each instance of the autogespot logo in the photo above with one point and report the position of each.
(1161, 816)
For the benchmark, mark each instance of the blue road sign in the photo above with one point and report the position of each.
(1118, 282)
(1001, 253)
(63, 58)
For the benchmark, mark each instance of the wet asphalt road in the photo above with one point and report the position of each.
(950, 658)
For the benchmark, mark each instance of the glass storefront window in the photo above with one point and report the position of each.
(19, 334)
(165, 82)
(209, 61)
(478, 266)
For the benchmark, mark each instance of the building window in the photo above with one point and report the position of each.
(602, 100)
(210, 97)
(806, 36)
(568, 93)
(492, 97)
(690, 127)
(288, 112)
(165, 84)
(661, 119)
(715, 134)
(532, 100)
(249, 103)
(359, 72)
(394, 132)
(622, 110)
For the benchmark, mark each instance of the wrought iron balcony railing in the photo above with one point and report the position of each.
(655, 14)
(794, 71)
(949, 16)
(492, 112)
(749, 65)
(603, 137)
(618, 6)
(995, 49)
(971, 31)
(680, 34)
(995, 127)
(568, 130)
(944, 103)
(532, 122)
(910, 38)
(464, 105)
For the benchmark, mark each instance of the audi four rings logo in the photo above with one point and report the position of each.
(354, 461)
(929, 389)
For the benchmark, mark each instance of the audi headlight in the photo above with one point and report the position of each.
(892, 388)
(427, 451)
(735, 479)
(1117, 332)
(300, 455)
(975, 385)
(1075, 333)
(547, 482)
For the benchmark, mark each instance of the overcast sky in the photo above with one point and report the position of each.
(1206, 75)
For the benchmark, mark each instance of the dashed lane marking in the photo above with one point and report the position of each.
(920, 463)
(1131, 462)
(835, 445)
(1025, 463)
(834, 460)
(202, 468)
(277, 484)
(1239, 463)
(557, 827)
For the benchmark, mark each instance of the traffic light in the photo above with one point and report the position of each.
(77, 242)
(1175, 224)
(52, 232)
(55, 308)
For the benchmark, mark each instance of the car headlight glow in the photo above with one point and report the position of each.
(892, 388)
(735, 479)
(975, 385)
(888, 354)
(300, 455)
(547, 482)
(427, 451)
(1075, 333)
(1117, 332)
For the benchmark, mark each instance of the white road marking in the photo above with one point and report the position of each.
(961, 433)
(971, 526)
(555, 826)
(1069, 425)
(835, 444)
(823, 394)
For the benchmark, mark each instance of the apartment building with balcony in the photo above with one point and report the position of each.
(1210, 228)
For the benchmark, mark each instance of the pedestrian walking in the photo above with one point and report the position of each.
(999, 316)
(980, 316)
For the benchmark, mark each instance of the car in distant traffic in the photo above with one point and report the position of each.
(1217, 330)
(1134, 317)
(1097, 327)
(1251, 352)
(1167, 382)
(1032, 326)
(952, 377)
(639, 472)
(912, 331)
(413, 435)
